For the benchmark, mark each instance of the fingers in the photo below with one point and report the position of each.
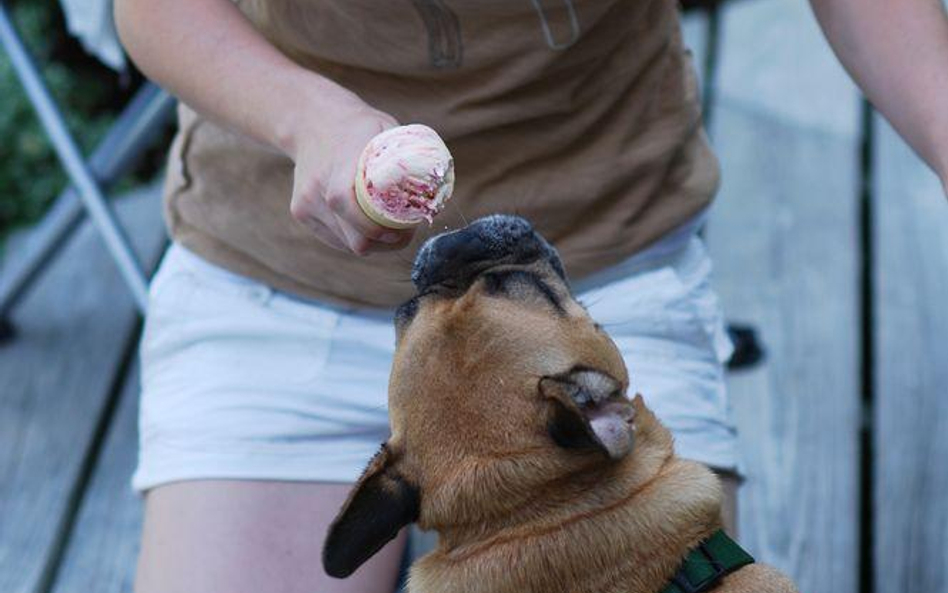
(388, 239)
(362, 233)
(308, 208)
(338, 221)
(324, 190)
(324, 233)
(352, 241)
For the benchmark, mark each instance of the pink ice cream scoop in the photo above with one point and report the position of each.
(405, 175)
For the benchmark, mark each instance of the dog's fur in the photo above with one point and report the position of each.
(498, 381)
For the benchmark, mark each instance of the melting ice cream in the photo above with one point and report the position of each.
(405, 175)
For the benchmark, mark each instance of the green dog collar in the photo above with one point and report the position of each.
(705, 565)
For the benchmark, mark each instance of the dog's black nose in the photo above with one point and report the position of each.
(457, 257)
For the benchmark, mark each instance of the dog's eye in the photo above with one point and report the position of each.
(520, 284)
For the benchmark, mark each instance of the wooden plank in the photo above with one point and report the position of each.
(103, 545)
(784, 238)
(57, 376)
(774, 60)
(910, 225)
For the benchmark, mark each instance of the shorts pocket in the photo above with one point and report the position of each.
(205, 328)
(694, 279)
(675, 316)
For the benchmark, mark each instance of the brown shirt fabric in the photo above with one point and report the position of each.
(581, 115)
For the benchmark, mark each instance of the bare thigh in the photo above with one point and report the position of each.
(249, 536)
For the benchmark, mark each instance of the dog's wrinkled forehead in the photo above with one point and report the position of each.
(492, 317)
(457, 257)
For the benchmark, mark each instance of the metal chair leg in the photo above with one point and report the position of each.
(98, 208)
(131, 134)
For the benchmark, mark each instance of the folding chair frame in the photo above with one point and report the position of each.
(135, 128)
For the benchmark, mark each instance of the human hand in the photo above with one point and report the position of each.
(326, 155)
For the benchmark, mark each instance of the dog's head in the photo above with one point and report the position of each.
(501, 386)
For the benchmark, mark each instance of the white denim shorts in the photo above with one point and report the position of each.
(240, 381)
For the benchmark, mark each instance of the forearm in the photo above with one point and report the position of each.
(211, 57)
(897, 51)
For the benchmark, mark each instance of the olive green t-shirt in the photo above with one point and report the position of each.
(581, 115)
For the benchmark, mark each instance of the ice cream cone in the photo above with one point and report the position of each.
(404, 176)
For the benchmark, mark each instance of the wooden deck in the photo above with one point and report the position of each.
(829, 236)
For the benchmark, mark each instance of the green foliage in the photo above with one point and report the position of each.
(30, 175)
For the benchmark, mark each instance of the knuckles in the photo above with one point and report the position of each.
(305, 208)
(361, 246)
(299, 210)
(304, 203)
(336, 202)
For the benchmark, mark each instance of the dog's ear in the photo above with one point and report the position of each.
(583, 421)
(380, 504)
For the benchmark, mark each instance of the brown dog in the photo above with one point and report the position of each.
(512, 437)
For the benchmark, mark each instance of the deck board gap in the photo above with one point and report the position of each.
(77, 493)
(867, 351)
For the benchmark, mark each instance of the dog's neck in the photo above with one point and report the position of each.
(622, 529)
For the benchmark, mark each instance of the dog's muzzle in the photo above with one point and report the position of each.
(457, 257)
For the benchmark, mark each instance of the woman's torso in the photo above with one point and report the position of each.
(582, 115)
